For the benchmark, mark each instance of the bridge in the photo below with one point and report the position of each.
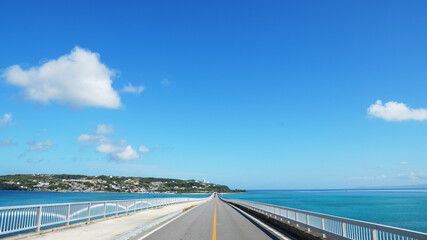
(185, 218)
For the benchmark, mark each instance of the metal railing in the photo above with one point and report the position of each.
(34, 217)
(331, 226)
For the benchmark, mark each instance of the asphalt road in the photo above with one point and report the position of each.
(211, 222)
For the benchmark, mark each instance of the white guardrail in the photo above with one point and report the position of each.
(331, 226)
(34, 217)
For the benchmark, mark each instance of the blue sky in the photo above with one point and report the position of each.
(252, 94)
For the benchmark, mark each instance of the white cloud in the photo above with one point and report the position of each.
(40, 146)
(116, 149)
(104, 129)
(412, 175)
(408, 175)
(127, 154)
(118, 152)
(78, 79)
(382, 176)
(369, 178)
(143, 149)
(165, 82)
(394, 111)
(92, 139)
(7, 142)
(7, 118)
(108, 148)
(403, 163)
(98, 137)
(133, 89)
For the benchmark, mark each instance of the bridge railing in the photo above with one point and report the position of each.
(332, 226)
(34, 217)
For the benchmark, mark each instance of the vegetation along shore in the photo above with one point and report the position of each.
(82, 183)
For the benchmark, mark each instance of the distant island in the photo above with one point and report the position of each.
(82, 183)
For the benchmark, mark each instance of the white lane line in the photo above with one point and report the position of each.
(173, 219)
(278, 234)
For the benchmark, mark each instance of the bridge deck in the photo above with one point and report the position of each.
(208, 221)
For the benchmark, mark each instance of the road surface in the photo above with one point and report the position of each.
(213, 220)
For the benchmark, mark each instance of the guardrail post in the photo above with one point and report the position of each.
(296, 218)
(39, 218)
(323, 227)
(117, 208)
(127, 206)
(88, 211)
(68, 214)
(344, 229)
(308, 222)
(105, 209)
(287, 215)
(134, 206)
(374, 234)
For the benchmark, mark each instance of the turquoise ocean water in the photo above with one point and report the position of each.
(399, 208)
(16, 198)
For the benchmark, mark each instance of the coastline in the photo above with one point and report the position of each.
(102, 192)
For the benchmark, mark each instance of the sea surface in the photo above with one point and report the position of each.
(400, 208)
(16, 198)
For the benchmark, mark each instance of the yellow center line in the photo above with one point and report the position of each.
(214, 224)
